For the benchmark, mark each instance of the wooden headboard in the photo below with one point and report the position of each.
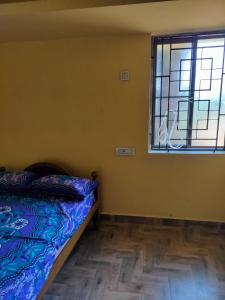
(45, 168)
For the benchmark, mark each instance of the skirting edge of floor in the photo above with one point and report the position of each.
(161, 221)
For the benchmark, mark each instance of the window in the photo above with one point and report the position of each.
(188, 103)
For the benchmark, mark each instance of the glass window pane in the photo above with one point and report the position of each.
(159, 60)
(211, 42)
(208, 82)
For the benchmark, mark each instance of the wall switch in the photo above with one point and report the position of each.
(124, 75)
(125, 151)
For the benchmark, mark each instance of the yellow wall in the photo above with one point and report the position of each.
(62, 101)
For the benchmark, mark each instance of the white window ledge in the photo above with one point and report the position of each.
(185, 152)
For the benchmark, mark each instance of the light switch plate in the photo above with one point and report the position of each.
(125, 151)
(124, 75)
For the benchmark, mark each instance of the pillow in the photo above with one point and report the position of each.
(62, 185)
(15, 181)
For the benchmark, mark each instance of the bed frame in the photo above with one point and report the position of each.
(44, 169)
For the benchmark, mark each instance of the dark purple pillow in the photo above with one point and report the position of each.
(15, 181)
(62, 185)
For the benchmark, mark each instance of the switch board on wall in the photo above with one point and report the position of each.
(125, 151)
(124, 75)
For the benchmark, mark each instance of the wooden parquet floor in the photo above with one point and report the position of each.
(138, 261)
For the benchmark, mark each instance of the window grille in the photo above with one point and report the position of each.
(188, 101)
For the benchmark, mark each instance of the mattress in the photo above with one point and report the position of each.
(33, 230)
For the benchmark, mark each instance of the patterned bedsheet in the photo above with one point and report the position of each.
(32, 232)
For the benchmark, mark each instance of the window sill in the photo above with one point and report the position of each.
(185, 152)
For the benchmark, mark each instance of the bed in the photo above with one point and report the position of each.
(37, 235)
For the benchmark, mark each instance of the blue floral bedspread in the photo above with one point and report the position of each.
(32, 231)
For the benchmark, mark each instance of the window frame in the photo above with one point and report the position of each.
(192, 38)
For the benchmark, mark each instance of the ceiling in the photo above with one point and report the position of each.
(42, 22)
(10, 6)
